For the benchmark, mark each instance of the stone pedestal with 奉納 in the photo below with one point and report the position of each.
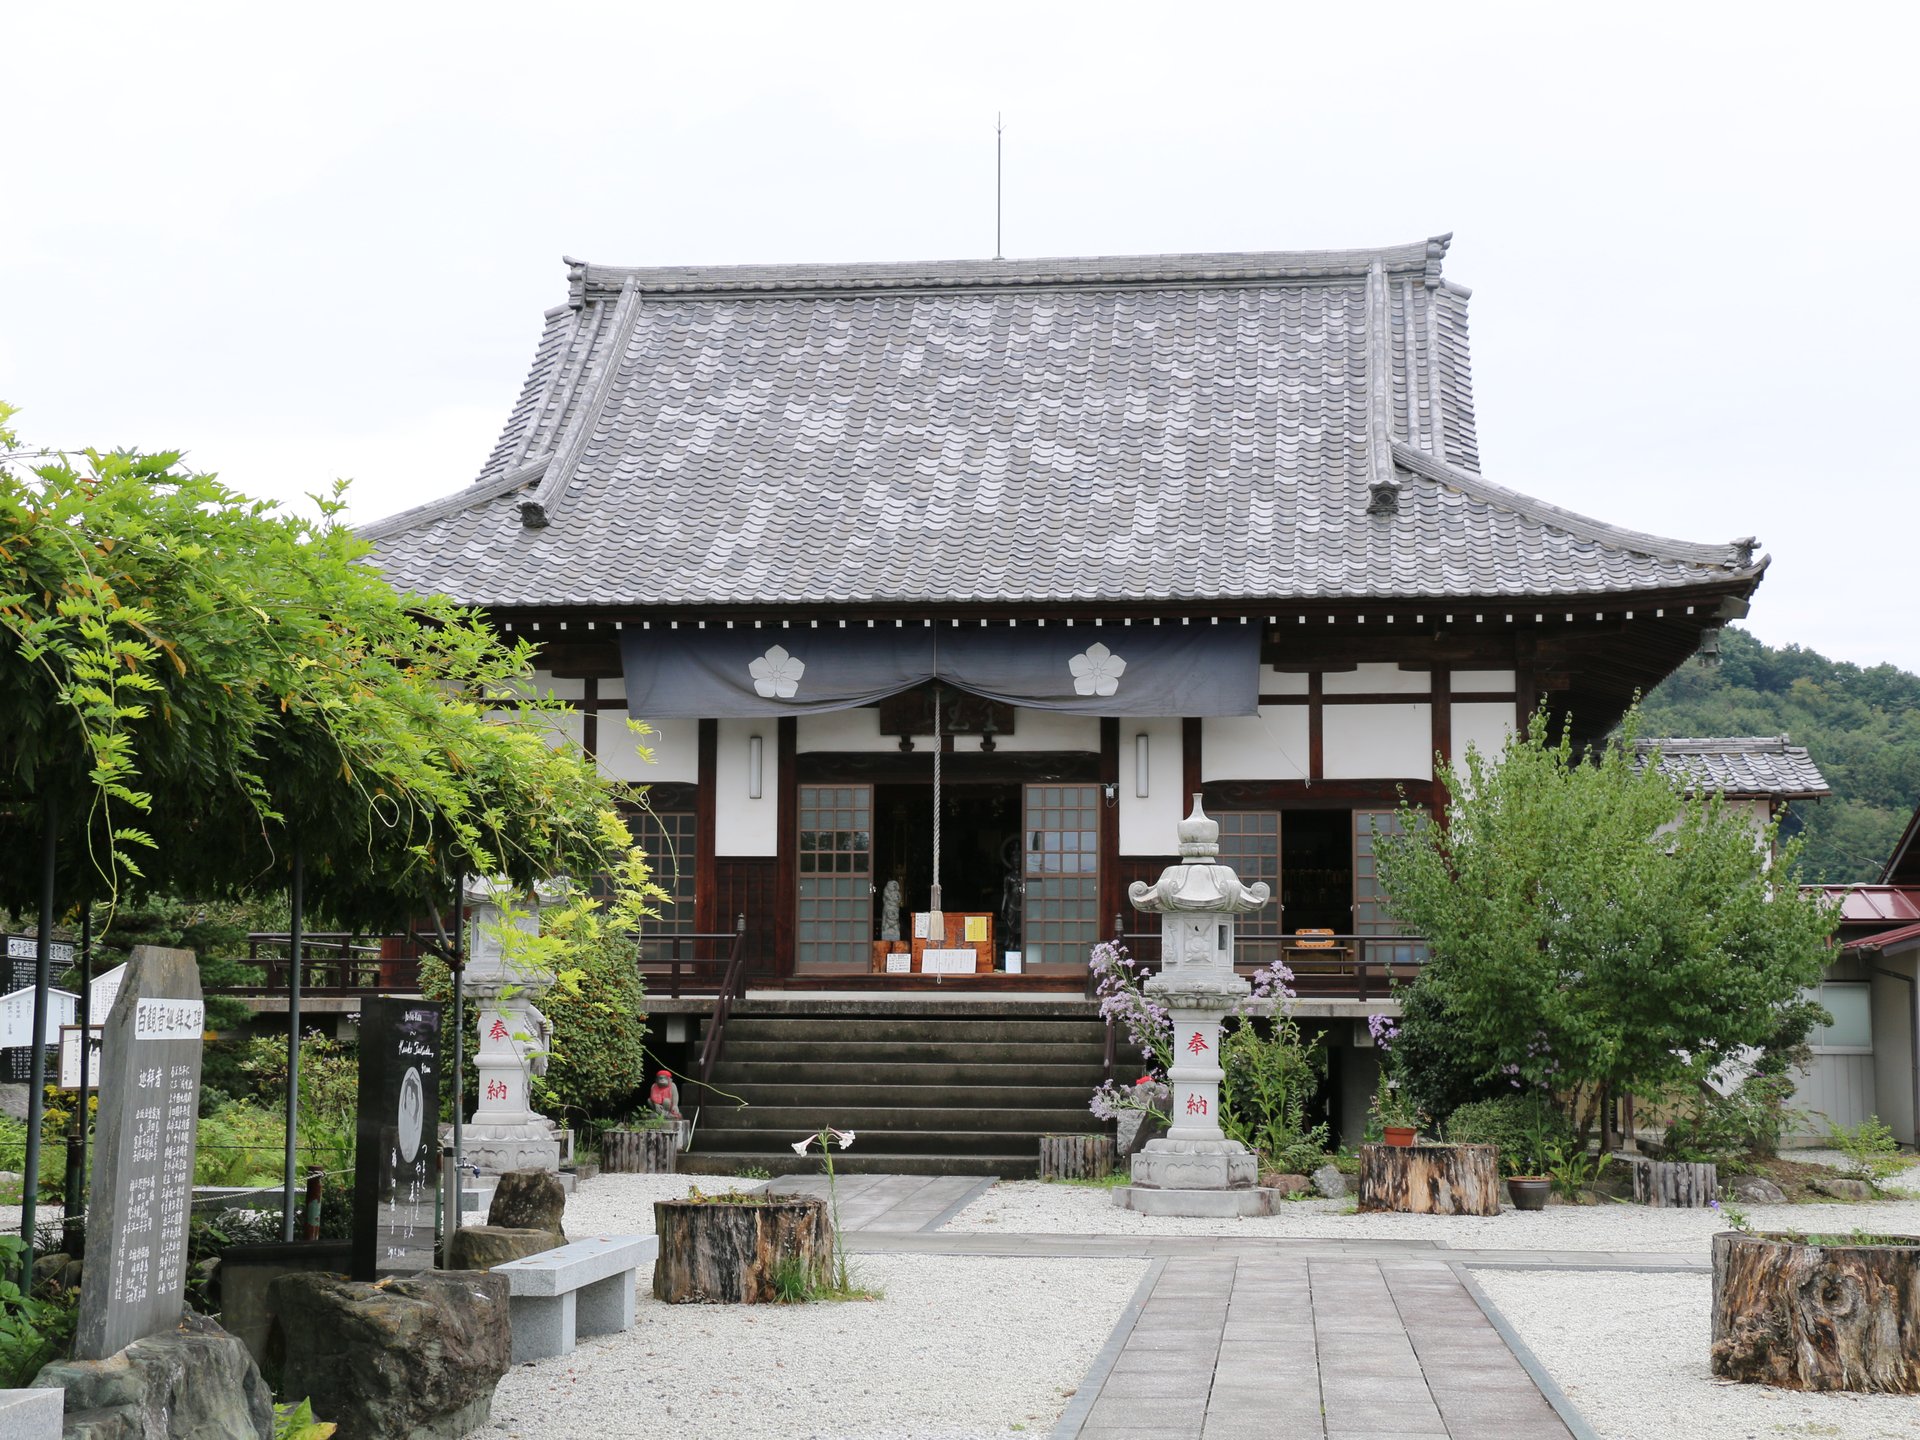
(142, 1187)
(1194, 1169)
(506, 1133)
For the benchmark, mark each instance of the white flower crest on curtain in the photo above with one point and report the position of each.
(1097, 671)
(776, 674)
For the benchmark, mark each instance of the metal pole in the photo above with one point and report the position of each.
(459, 1043)
(86, 1044)
(37, 1081)
(296, 908)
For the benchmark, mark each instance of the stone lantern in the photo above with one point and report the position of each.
(506, 1133)
(1194, 1169)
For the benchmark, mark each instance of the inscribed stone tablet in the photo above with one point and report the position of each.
(142, 1185)
(397, 1157)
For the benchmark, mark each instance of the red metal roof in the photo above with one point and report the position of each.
(1903, 938)
(1876, 904)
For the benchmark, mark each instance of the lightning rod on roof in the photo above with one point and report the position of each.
(999, 129)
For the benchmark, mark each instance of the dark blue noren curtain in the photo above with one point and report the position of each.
(1124, 670)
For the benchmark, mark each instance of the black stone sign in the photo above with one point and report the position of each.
(397, 1154)
(18, 972)
(142, 1185)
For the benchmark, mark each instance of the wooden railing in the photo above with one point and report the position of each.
(332, 962)
(732, 984)
(1325, 967)
(672, 965)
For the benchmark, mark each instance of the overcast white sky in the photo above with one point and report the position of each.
(313, 242)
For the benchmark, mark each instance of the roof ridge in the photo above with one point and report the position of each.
(1736, 556)
(1747, 743)
(1422, 257)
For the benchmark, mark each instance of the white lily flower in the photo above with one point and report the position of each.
(800, 1146)
(845, 1137)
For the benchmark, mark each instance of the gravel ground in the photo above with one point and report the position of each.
(1033, 1207)
(954, 1347)
(1631, 1353)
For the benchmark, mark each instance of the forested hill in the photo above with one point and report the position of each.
(1862, 728)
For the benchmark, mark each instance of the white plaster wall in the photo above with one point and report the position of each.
(675, 745)
(1282, 682)
(857, 730)
(1893, 1048)
(1376, 678)
(556, 729)
(1377, 742)
(1037, 730)
(1483, 724)
(1482, 682)
(743, 826)
(562, 689)
(1270, 746)
(1147, 824)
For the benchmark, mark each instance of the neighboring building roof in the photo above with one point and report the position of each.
(1903, 866)
(1176, 428)
(1881, 905)
(1743, 766)
(1905, 938)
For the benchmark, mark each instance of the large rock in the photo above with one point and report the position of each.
(1328, 1181)
(1839, 1187)
(416, 1357)
(1285, 1184)
(194, 1383)
(1756, 1190)
(481, 1247)
(529, 1200)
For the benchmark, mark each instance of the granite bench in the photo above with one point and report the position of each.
(585, 1288)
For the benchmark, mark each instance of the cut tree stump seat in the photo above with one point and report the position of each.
(584, 1288)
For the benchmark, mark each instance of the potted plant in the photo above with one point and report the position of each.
(1393, 1109)
(1528, 1183)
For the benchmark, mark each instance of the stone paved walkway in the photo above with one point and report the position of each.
(891, 1204)
(1319, 1349)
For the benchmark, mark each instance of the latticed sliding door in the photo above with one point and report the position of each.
(1062, 920)
(1370, 913)
(834, 927)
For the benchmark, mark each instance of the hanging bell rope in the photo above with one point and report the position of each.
(937, 921)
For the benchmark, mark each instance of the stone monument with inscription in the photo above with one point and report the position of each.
(506, 1133)
(142, 1188)
(397, 1155)
(1194, 1169)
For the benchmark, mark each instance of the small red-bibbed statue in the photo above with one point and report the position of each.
(664, 1097)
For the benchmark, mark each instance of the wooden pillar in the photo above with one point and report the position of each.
(786, 880)
(1316, 727)
(1191, 738)
(1442, 720)
(706, 897)
(1108, 887)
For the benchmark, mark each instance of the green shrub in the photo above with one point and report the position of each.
(1725, 1130)
(1525, 1128)
(1872, 1153)
(32, 1332)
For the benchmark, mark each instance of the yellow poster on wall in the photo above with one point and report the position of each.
(976, 927)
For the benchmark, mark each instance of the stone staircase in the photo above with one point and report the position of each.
(928, 1087)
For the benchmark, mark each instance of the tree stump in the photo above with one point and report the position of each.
(639, 1152)
(1817, 1317)
(1076, 1157)
(720, 1252)
(1673, 1184)
(1430, 1179)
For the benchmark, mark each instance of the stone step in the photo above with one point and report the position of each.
(986, 1052)
(732, 1072)
(709, 1139)
(936, 1028)
(813, 1090)
(793, 1121)
(1020, 1165)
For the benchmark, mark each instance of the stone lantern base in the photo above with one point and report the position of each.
(1207, 1179)
(1198, 1204)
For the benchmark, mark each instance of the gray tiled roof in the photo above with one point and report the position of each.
(1741, 765)
(1181, 428)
